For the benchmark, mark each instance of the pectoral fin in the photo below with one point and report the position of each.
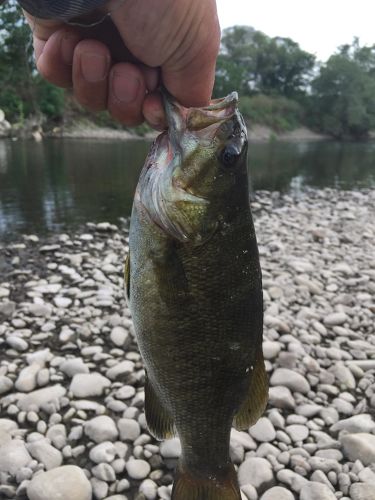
(257, 396)
(159, 421)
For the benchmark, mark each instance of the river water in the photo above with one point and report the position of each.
(59, 184)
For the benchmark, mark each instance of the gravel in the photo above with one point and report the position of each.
(72, 421)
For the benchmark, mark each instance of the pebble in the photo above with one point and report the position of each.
(101, 428)
(119, 336)
(73, 366)
(40, 397)
(86, 385)
(297, 432)
(129, 429)
(290, 379)
(45, 453)
(316, 491)
(357, 423)
(65, 482)
(6, 384)
(149, 489)
(362, 491)
(170, 448)
(277, 493)
(359, 446)
(281, 397)
(335, 319)
(256, 471)
(26, 381)
(13, 456)
(263, 430)
(104, 452)
(138, 469)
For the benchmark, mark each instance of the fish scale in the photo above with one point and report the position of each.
(194, 289)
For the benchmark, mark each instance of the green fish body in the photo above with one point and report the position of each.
(194, 288)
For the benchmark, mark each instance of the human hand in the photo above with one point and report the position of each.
(119, 64)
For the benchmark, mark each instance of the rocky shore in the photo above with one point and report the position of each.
(71, 377)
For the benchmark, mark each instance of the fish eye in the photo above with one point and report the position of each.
(229, 156)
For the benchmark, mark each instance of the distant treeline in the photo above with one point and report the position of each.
(280, 85)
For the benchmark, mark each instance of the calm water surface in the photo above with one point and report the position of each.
(59, 184)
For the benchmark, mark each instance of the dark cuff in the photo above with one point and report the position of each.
(62, 10)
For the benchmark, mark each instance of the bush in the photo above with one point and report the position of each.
(278, 112)
(50, 99)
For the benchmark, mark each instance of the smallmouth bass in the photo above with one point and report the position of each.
(194, 287)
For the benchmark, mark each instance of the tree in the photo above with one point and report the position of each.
(251, 62)
(343, 94)
(22, 91)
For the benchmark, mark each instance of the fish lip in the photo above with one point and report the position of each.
(222, 103)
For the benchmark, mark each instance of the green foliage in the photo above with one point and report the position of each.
(252, 62)
(278, 112)
(343, 99)
(50, 99)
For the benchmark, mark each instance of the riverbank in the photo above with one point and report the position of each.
(71, 378)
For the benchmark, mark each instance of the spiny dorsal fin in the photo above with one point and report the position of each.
(257, 396)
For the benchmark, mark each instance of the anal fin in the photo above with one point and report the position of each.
(257, 396)
(159, 421)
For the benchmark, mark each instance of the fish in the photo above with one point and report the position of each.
(194, 287)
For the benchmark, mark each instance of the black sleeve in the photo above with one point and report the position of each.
(59, 9)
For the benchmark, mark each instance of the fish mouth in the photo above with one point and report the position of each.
(195, 120)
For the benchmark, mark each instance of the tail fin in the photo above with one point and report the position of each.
(219, 485)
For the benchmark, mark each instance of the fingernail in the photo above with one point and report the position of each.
(125, 89)
(68, 43)
(94, 67)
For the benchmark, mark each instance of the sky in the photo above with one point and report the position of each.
(319, 26)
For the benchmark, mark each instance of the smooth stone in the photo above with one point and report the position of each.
(26, 381)
(297, 432)
(129, 429)
(125, 392)
(62, 302)
(73, 366)
(14, 456)
(101, 428)
(308, 410)
(57, 435)
(103, 452)
(292, 479)
(256, 471)
(335, 319)
(6, 384)
(249, 492)
(41, 397)
(357, 423)
(277, 493)
(149, 489)
(290, 379)
(85, 385)
(119, 336)
(40, 310)
(17, 343)
(343, 376)
(316, 491)
(271, 349)
(104, 472)
(121, 368)
(138, 469)
(359, 446)
(170, 448)
(45, 453)
(243, 438)
(99, 488)
(67, 482)
(7, 425)
(263, 430)
(281, 397)
(362, 491)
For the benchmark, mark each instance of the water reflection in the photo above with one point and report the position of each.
(58, 184)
